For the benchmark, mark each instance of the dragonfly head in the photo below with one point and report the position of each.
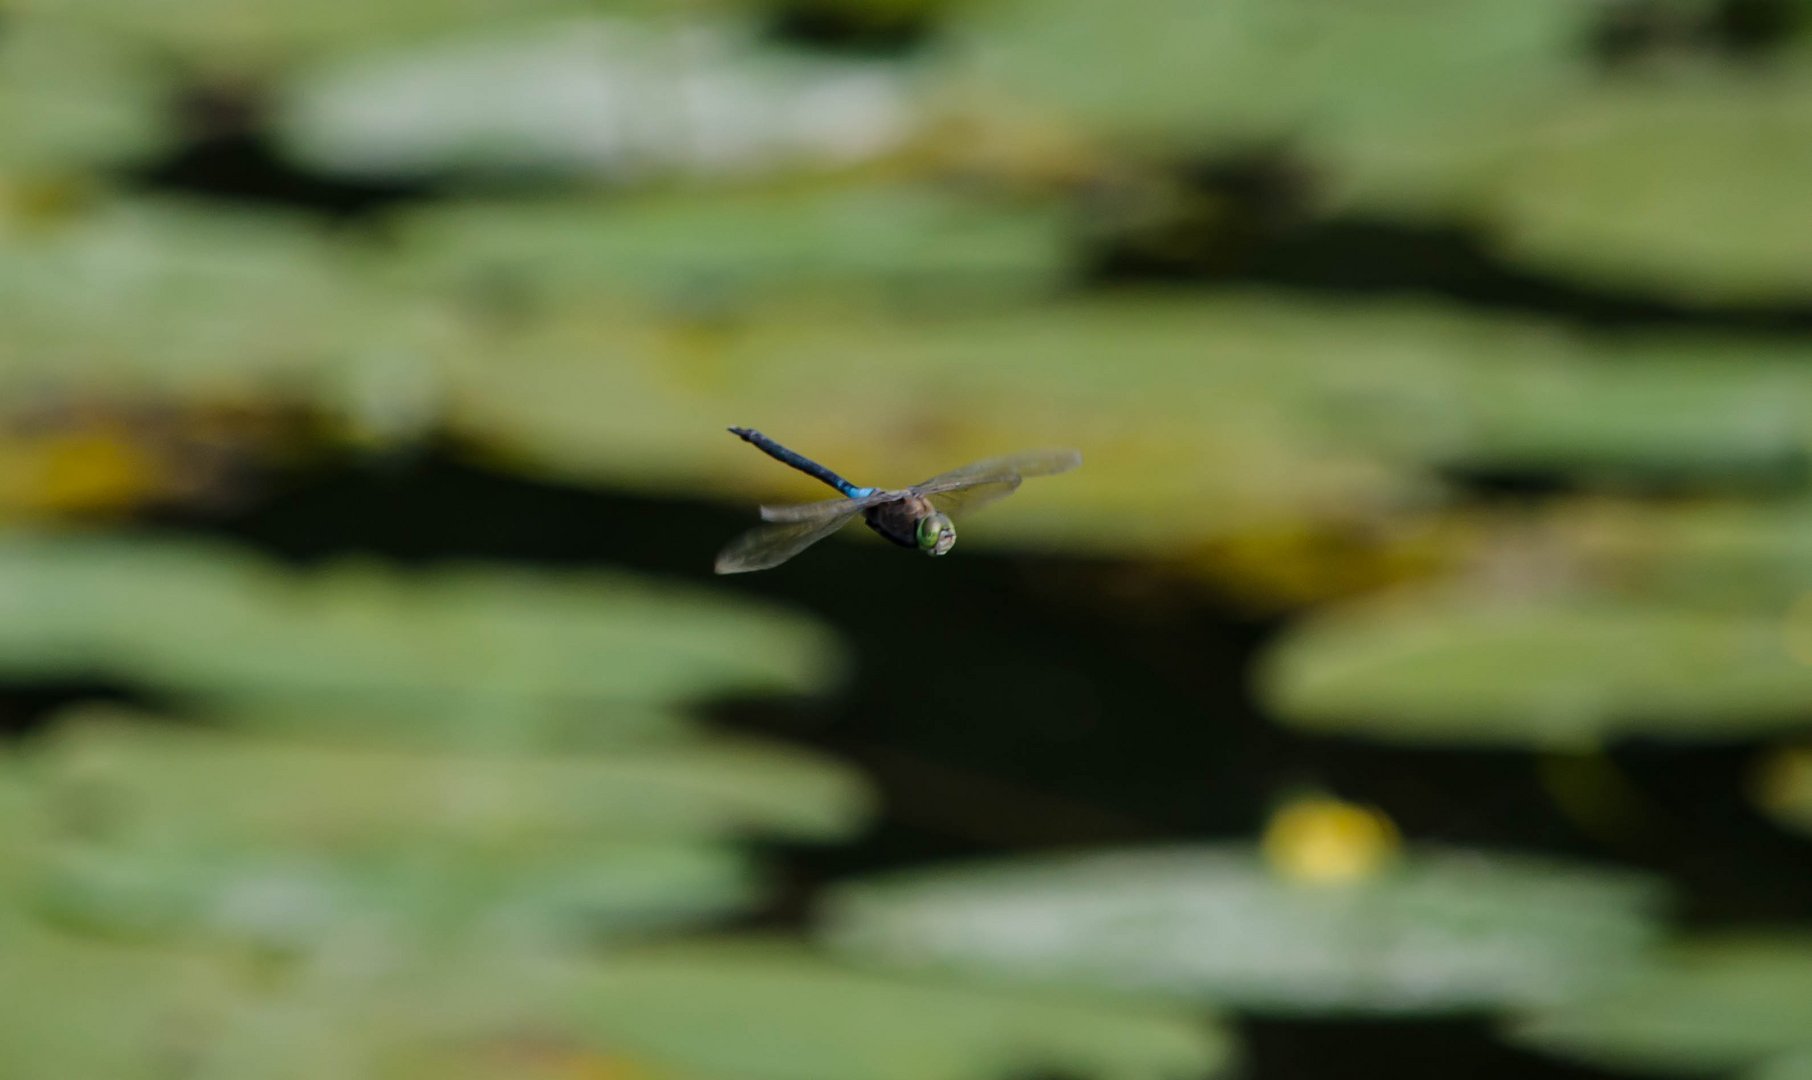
(936, 534)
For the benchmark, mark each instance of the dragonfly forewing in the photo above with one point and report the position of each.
(1013, 468)
(972, 497)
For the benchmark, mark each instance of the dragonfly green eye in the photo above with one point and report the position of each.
(936, 535)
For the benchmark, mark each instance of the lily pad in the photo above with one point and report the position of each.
(73, 101)
(216, 37)
(138, 780)
(1212, 414)
(772, 1011)
(157, 1001)
(1713, 553)
(497, 723)
(731, 248)
(614, 98)
(1713, 1005)
(155, 296)
(211, 621)
(1439, 932)
(1639, 411)
(1259, 70)
(358, 1008)
(1681, 190)
(1567, 671)
(1793, 1066)
(294, 898)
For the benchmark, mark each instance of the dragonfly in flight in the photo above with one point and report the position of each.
(913, 517)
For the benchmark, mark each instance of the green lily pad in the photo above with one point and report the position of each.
(1726, 553)
(1442, 931)
(72, 101)
(1265, 70)
(1611, 413)
(488, 724)
(771, 1011)
(359, 1007)
(584, 97)
(151, 296)
(123, 780)
(1215, 415)
(1567, 671)
(158, 1003)
(1681, 189)
(212, 621)
(298, 899)
(1211, 416)
(217, 37)
(1714, 1005)
(1793, 1066)
(732, 248)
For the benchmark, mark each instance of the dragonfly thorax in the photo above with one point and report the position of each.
(912, 522)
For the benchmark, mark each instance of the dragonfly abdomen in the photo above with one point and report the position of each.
(799, 461)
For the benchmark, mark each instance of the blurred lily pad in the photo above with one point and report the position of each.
(1215, 416)
(358, 1008)
(294, 898)
(1267, 71)
(159, 296)
(617, 98)
(1635, 412)
(490, 723)
(1714, 1005)
(732, 248)
(138, 780)
(1715, 553)
(71, 101)
(1441, 931)
(1681, 190)
(217, 37)
(158, 1002)
(1212, 414)
(211, 621)
(772, 1011)
(1792, 1066)
(1567, 671)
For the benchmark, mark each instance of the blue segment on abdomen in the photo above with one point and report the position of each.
(860, 493)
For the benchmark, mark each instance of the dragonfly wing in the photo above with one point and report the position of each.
(968, 489)
(1015, 467)
(767, 546)
(815, 511)
(967, 500)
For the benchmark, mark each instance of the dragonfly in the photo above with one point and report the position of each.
(916, 517)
